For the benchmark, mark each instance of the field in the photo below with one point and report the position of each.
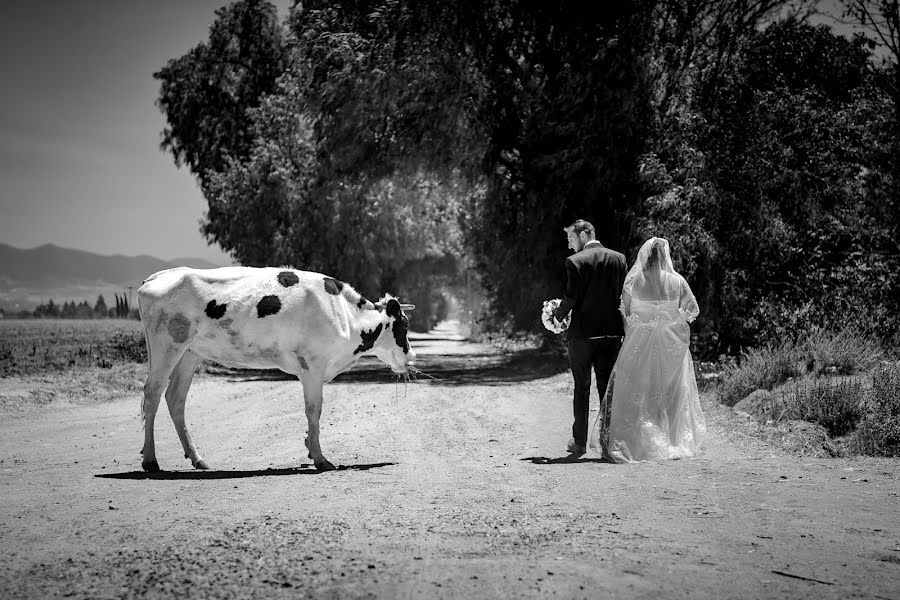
(60, 361)
(29, 347)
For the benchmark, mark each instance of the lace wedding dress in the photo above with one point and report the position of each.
(655, 410)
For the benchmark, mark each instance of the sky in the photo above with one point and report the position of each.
(80, 164)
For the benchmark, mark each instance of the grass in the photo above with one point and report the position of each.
(838, 381)
(878, 432)
(819, 352)
(836, 405)
(761, 368)
(30, 347)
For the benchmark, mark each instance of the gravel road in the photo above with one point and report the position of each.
(454, 487)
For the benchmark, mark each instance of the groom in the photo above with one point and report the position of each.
(594, 278)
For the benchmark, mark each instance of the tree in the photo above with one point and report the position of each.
(780, 191)
(100, 309)
(205, 94)
(542, 109)
(881, 20)
(122, 310)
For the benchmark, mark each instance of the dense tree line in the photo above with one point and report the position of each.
(414, 146)
(81, 310)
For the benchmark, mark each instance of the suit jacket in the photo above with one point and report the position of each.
(594, 280)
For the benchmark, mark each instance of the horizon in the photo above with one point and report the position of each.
(227, 261)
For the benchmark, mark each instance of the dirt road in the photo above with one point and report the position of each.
(450, 488)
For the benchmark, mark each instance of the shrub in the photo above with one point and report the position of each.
(757, 368)
(820, 351)
(879, 429)
(126, 346)
(835, 405)
(846, 351)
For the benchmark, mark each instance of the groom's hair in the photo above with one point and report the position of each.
(581, 225)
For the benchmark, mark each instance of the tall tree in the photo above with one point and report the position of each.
(542, 107)
(205, 94)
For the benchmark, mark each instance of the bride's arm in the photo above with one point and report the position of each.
(625, 304)
(687, 303)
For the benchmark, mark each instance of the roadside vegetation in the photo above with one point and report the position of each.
(844, 382)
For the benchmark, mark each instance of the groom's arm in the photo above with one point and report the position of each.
(569, 299)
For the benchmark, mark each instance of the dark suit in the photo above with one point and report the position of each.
(594, 280)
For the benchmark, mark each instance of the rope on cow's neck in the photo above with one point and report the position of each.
(420, 372)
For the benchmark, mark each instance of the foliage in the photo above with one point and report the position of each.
(778, 185)
(879, 429)
(842, 352)
(389, 143)
(205, 94)
(836, 405)
(819, 352)
(760, 368)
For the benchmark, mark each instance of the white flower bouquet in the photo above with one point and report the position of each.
(547, 317)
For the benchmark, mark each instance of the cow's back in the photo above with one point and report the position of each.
(244, 316)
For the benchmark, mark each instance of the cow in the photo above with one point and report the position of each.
(304, 323)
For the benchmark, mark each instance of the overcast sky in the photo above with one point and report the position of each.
(80, 164)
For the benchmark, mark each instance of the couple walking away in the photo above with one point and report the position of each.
(655, 412)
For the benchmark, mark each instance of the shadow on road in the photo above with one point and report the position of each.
(194, 474)
(571, 459)
(479, 368)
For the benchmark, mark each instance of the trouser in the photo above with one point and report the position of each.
(585, 354)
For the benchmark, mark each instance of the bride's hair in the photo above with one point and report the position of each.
(654, 259)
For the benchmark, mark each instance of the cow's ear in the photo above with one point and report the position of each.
(408, 307)
(393, 308)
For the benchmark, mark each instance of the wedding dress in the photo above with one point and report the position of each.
(655, 410)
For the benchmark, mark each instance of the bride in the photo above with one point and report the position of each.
(655, 404)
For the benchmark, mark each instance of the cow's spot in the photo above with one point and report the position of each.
(272, 354)
(214, 310)
(333, 286)
(269, 305)
(302, 362)
(362, 302)
(400, 330)
(288, 278)
(368, 339)
(401, 324)
(226, 324)
(179, 327)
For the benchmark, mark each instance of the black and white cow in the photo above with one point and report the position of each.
(303, 323)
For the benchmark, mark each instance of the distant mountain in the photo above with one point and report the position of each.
(50, 264)
(197, 263)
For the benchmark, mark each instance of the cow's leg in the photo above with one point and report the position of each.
(176, 396)
(312, 398)
(162, 361)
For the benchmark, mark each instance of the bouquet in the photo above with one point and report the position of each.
(549, 321)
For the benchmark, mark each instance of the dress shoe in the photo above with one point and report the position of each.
(574, 448)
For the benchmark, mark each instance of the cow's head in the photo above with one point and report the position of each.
(392, 346)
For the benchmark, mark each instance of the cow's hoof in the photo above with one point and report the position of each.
(201, 465)
(150, 466)
(324, 466)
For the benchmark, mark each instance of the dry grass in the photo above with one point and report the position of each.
(87, 385)
(759, 368)
(32, 347)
